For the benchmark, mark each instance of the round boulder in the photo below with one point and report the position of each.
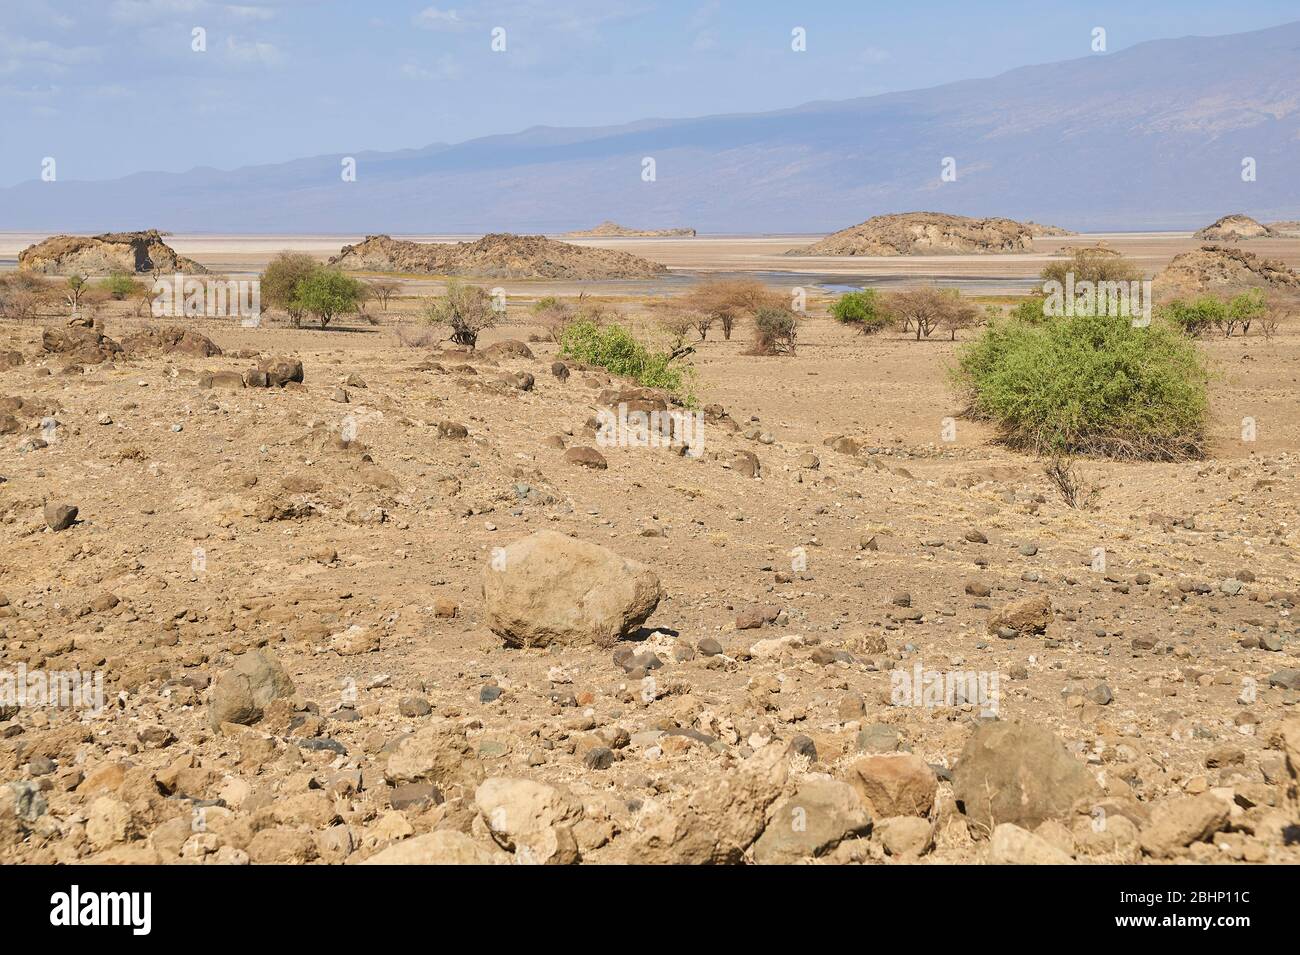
(551, 589)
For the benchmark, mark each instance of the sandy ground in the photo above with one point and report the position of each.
(352, 590)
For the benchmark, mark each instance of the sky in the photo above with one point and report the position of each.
(113, 87)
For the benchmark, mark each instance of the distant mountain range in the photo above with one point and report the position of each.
(1153, 137)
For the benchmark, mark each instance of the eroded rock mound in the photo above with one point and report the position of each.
(610, 228)
(1039, 230)
(102, 254)
(925, 233)
(80, 343)
(551, 589)
(499, 255)
(169, 339)
(1214, 268)
(1233, 227)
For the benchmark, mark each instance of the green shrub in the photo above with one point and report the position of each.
(614, 348)
(118, 286)
(861, 310)
(1089, 384)
(280, 282)
(1209, 312)
(466, 309)
(326, 293)
(775, 331)
(1031, 310)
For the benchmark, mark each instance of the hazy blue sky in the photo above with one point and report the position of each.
(111, 87)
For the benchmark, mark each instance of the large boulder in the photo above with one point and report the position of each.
(551, 589)
(80, 343)
(243, 693)
(280, 371)
(1013, 772)
(1027, 615)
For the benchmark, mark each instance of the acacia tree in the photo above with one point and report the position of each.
(75, 290)
(728, 300)
(383, 290)
(1094, 265)
(326, 293)
(465, 309)
(925, 309)
(281, 279)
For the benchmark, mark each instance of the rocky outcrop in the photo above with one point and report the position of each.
(1213, 268)
(1233, 227)
(500, 255)
(170, 339)
(103, 254)
(80, 342)
(1040, 230)
(925, 233)
(612, 229)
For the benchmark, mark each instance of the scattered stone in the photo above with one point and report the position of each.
(1025, 616)
(586, 457)
(242, 693)
(894, 784)
(59, 517)
(819, 816)
(1012, 845)
(1178, 822)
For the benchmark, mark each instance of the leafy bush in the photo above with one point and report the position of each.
(1031, 310)
(326, 293)
(775, 331)
(1092, 265)
(280, 282)
(1210, 312)
(1089, 384)
(862, 310)
(615, 349)
(466, 309)
(119, 285)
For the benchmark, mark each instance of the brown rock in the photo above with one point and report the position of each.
(551, 589)
(894, 784)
